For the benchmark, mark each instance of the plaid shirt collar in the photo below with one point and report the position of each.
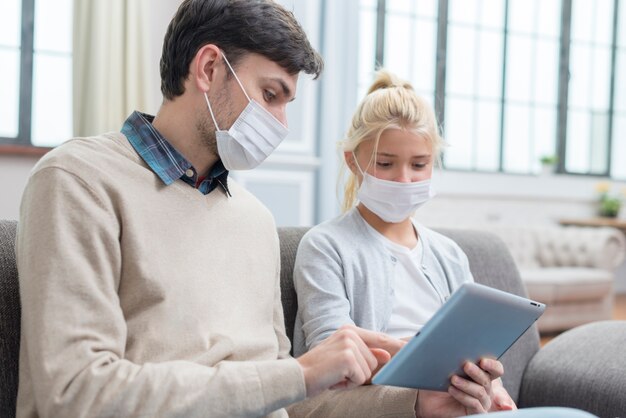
(165, 160)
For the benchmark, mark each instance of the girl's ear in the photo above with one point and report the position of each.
(349, 157)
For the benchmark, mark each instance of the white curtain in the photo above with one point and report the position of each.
(111, 59)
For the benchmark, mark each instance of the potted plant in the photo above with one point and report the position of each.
(548, 164)
(609, 204)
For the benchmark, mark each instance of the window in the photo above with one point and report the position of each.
(473, 92)
(36, 75)
(522, 78)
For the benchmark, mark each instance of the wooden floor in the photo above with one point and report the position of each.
(619, 312)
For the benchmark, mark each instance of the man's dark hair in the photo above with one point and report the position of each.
(237, 27)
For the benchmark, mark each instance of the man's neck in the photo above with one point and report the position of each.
(178, 125)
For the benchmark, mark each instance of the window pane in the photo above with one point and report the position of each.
(367, 48)
(599, 149)
(492, 14)
(517, 124)
(9, 92)
(490, 65)
(53, 26)
(580, 75)
(399, 35)
(601, 78)
(10, 19)
(587, 142)
(400, 6)
(548, 18)
(543, 135)
(426, 8)
(603, 10)
(52, 99)
(518, 67)
(546, 68)
(410, 49)
(461, 60)
(522, 15)
(618, 156)
(463, 11)
(620, 81)
(621, 25)
(592, 21)
(488, 136)
(458, 133)
(582, 23)
(578, 129)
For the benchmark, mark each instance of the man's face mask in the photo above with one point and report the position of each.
(392, 201)
(253, 137)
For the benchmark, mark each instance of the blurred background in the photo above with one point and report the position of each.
(530, 95)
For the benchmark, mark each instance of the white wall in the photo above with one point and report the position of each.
(14, 171)
(464, 198)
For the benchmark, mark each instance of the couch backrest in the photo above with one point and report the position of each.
(9, 319)
(491, 264)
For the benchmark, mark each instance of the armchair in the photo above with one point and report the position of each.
(583, 368)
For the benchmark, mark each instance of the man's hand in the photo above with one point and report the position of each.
(346, 359)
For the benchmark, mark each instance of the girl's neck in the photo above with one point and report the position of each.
(402, 233)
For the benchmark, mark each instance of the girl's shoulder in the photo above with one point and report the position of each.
(343, 229)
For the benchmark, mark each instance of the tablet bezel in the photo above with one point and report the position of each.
(477, 321)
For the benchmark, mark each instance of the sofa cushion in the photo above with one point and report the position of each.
(582, 368)
(567, 284)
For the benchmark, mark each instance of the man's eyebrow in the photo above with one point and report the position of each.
(286, 90)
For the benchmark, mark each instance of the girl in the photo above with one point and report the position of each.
(374, 267)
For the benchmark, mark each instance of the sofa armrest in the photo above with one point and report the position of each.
(574, 246)
(581, 368)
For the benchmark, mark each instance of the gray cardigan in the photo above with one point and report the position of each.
(343, 275)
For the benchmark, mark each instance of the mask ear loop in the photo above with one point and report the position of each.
(211, 110)
(236, 78)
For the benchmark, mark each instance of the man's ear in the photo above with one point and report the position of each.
(204, 67)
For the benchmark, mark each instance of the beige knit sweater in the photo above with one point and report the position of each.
(140, 299)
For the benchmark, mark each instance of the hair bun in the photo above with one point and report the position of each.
(385, 80)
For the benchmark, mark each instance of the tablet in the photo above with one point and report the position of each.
(477, 321)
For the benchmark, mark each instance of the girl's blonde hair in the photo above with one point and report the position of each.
(390, 103)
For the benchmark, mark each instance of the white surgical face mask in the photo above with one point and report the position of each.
(393, 201)
(253, 137)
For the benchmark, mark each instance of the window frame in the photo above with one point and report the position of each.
(22, 143)
(563, 81)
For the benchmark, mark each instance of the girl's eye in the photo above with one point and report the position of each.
(420, 165)
(383, 164)
(268, 95)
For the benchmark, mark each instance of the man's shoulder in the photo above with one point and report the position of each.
(82, 153)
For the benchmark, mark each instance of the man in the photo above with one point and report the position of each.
(150, 281)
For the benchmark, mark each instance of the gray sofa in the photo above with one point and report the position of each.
(583, 368)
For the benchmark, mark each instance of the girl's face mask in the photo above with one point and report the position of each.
(392, 201)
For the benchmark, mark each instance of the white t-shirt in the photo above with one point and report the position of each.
(415, 299)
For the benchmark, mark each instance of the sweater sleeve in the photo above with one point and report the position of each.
(363, 401)
(323, 305)
(284, 345)
(74, 331)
